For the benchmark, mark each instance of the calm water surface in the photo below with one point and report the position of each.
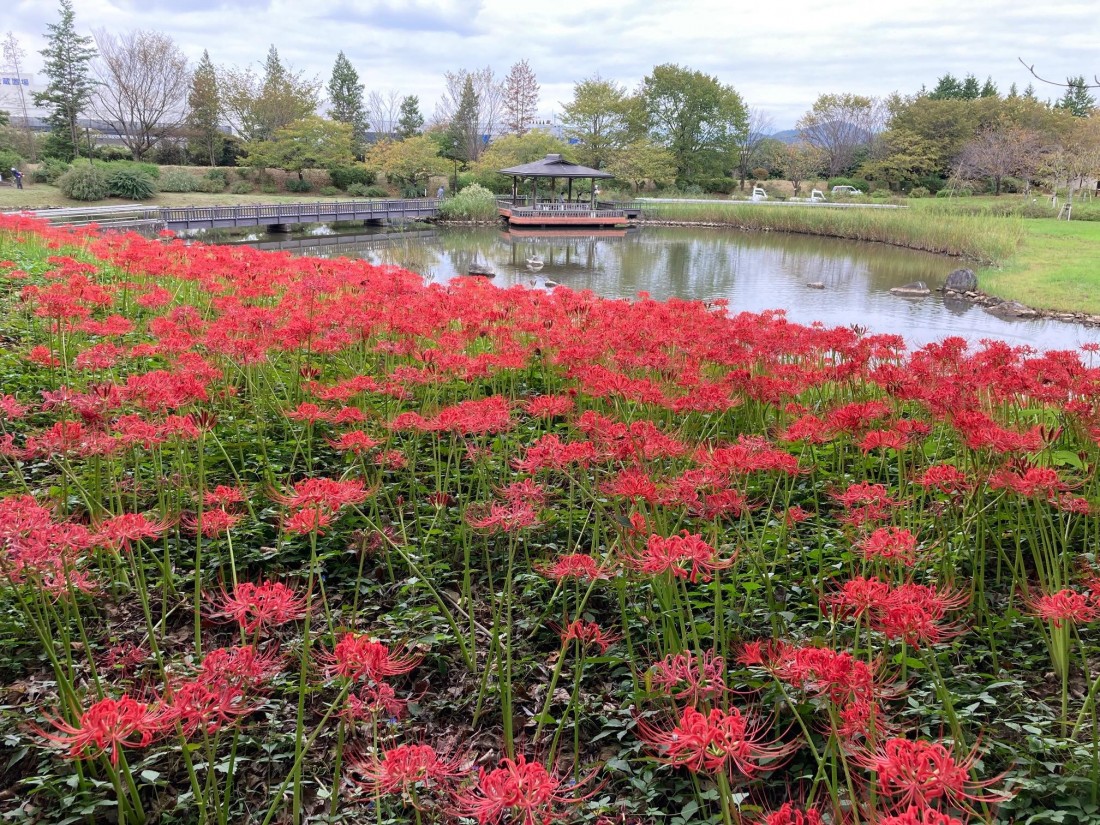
(753, 271)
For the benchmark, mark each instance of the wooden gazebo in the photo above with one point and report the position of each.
(555, 208)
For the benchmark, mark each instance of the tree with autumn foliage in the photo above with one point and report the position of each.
(520, 98)
(309, 143)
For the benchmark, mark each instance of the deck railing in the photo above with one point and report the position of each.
(554, 208)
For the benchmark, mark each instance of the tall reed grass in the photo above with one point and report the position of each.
(981, 239)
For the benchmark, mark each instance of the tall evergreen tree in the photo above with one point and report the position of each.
(204, 115)
(410, 121)
(1077, 99)
(465, 132)
(970, 88)
(989, 88)
(69, 92)
(345, 96)
(1013, 92)
(948, 87)
(521, 98)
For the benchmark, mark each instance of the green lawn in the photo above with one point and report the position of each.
(1057, 267)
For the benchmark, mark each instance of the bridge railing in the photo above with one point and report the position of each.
(308, 212)
(551, 208)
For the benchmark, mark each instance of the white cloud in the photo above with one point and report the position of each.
(779, 55)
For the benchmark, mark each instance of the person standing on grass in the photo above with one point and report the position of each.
(18, 176)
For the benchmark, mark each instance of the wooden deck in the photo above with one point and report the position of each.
(552, 214)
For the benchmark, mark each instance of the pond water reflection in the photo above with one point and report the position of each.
(753, 271)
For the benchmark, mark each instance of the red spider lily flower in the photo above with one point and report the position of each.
(326, 493)
(505, 518)
(223, 496)
(821, 671)
(403, 767)
(919, 815)
(354, 441)
(120, 531)
(357, 656)
(1042, 482)
(527, 491)
(687, 677)
(551, 453)
(211, 523)
(915, 613)
(10, 408)
(751, 453)
(863, 719)
(789, 814)
(439, 500)
(108, 726)
(858, 596)
(253, 606)
(206, 704)
(304, 522)
(243, 666)
(632, 483)
(796, 515)
(587, 633)
(918, 772)
(374, 701)
(716, 742)
(673, 554)
(890, 544)
(883, 440)
(946, 478)
(574, 566)
(1066, 606)
(308, 413)
(549, 406)
(524, 790)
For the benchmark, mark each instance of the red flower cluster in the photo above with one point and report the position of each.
(685, 556)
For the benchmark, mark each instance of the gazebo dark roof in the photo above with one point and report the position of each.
(553, 166)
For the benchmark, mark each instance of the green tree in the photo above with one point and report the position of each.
(259, 106)
(204, 111)
(309, 143)
(68, 93)
(907, 159)
(989, 88)
(693, 115)
(947, 87)
(970, 88)
(799, 162)
(410, 121)
(596, 119)
(345, 98)
(514, 150)
(409, 162)
(464, 133)
(1077, 99)
(643, 160)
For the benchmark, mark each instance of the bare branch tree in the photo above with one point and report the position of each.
(142, 93)
(998, 153)
(13, 57)
(1094, 85)
(747, 143)
(520, 98)
(490, 97)
(383, 111)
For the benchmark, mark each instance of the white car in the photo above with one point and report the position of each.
(846, 190)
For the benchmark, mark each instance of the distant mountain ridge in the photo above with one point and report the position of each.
(787, 136)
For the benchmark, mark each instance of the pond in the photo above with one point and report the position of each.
(752, 271)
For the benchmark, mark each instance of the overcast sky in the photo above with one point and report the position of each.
(780, 55)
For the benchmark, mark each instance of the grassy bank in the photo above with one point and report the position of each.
(1055, 268)
(44, 196)
(983, 240)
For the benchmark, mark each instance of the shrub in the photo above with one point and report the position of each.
(210, 185)
(113, 153)
(760, 173)
(296, 185)
(343, 177)
(919, 192)
(8, 159)
(170, 153)
(474, 203)
(219, 175)
(84, 182)
(50, 170)
(131, 184)
(268, 187)
(330, 191)
(361, 190)
(241, 187)
(178, 180)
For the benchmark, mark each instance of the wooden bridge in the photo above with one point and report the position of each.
(276, 217)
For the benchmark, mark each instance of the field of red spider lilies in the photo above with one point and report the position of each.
(296, 540)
